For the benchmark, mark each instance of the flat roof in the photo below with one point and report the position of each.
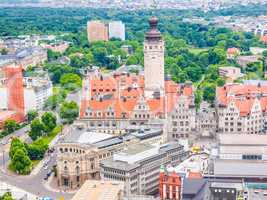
(86, 137)
(99, 190)
(242, 139)
(240, 168)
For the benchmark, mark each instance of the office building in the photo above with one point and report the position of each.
(116, 30)
(138, 166)
(97, 31)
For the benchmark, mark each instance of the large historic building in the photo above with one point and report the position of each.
(80, 153)
(123, 100)
(154, 59)
(241, 108)
(138, 166)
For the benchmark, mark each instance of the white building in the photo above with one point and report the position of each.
(139, 166)
(36, 92)
(116, 30)
(241, 156)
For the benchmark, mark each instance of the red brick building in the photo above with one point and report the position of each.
(13, 80)
(170, 186)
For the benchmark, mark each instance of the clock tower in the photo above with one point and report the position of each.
(154, 59)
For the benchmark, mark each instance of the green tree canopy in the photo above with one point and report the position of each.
(49, 121)
(10, 126)
(31, 115)
(21, 162)
(71, 81)
(37, 129)
(69, 111)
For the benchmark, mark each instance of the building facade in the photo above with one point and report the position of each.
(116, 29)
(80, 154)
(154, 59)
(36, 91)
(182, 120)
(97, 31)
(138, 166)
(241, 108)
(12, 104)
(123, 100)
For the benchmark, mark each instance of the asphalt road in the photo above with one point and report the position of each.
(34, 184)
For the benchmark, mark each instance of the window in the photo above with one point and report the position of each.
(252, 157)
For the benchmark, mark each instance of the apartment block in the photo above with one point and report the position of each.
(97, 31)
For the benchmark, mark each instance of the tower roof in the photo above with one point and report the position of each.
(153, 33)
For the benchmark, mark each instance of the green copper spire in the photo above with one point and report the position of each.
(162, 169)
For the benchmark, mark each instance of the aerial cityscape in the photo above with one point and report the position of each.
(133, 100)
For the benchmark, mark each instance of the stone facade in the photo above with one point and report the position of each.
(182, 120)
(154, 58)
(139, 170)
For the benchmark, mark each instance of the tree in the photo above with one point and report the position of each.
(69, 111)
(21, 162)
(37, 149)
(253, 67)
(31, 115)
(100, 56)
(10, 126)
(37, 129)
(71, 81)
(49, 121)
(217, 55)
(15, 145)
(4, 51)
(52, 55)
(6, 196)
(264, 53)
(194, 73)
(209, 93)
(132, 60)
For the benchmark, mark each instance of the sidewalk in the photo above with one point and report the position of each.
(17, 193)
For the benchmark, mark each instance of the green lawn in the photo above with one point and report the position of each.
(48, 138)
(196, 50)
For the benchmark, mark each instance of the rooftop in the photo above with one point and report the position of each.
(243, 140)
(240, 168)
(86, 137)
(96, 190)
(131, 157)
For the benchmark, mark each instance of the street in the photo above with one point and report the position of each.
(33, 183)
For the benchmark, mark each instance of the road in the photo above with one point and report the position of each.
(74, 96)
(33, 183)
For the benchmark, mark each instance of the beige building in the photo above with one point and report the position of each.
(81, 152)
(138, 166)
(230, 73)
(182, 120)
(100, 190)
(241, 156)
(243, 61)
(241, 108)
(206, 120)
(97, 31)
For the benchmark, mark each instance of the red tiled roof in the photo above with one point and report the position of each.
(195, 175)
(243, 96)
(264, 39)
(124, 92)
(233, 50)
